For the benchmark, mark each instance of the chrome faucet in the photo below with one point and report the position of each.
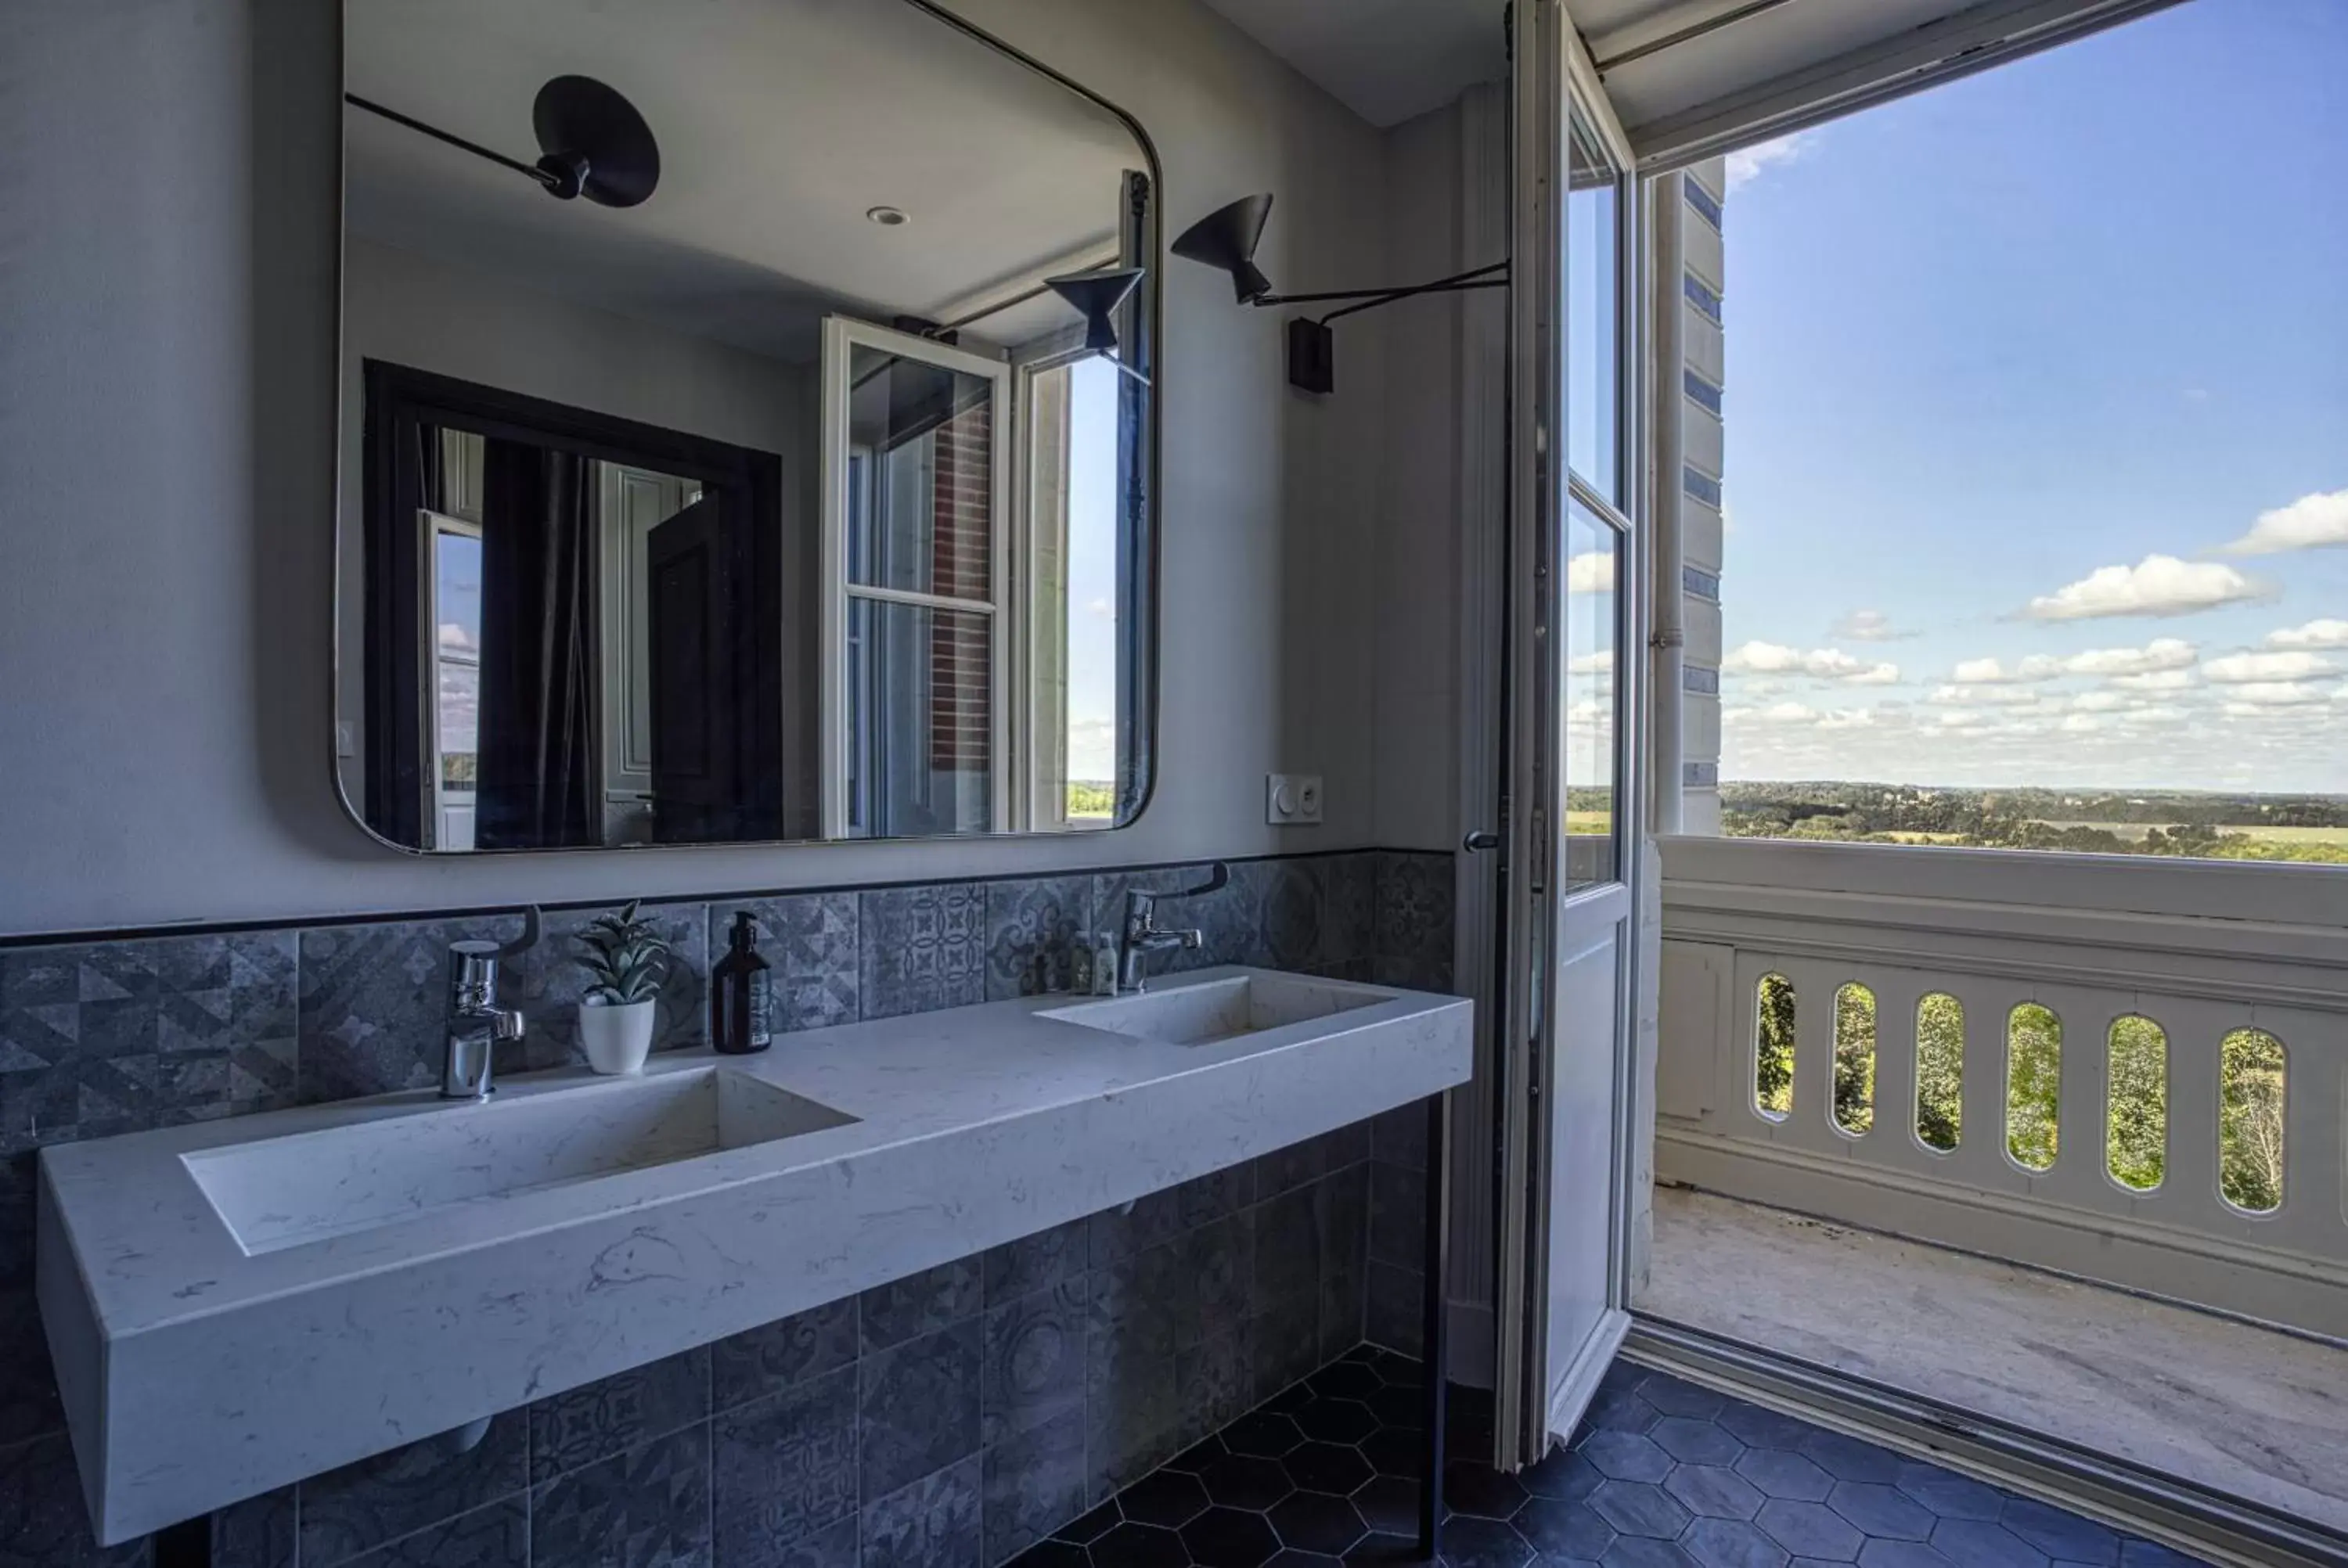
(1142, 935)
(476, 1024)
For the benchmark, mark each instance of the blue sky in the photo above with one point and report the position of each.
(1993, 348)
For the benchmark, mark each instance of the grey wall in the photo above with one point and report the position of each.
(167, 421)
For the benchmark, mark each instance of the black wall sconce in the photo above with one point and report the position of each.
(591, 142)
(1096, 296)
(1226, 240)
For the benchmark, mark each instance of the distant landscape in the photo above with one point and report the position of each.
(2283, 827)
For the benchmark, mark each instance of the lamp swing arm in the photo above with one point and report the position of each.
(1475, 278)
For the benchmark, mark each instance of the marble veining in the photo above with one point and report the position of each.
(961, 1130)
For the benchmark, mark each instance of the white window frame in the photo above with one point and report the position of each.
(841, 336)
(430, 526)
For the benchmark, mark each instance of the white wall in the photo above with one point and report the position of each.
(168, 174)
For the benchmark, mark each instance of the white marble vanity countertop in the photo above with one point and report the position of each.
(196, 1373)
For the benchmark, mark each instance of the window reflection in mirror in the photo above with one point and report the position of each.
(614, 569)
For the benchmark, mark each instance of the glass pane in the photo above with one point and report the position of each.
(2252, 1096)
(2136, 1115)
(1593, 552)
(1854, 1059)
(1773, 1048)
(921, 507)
(920, 739)
(1592, 309)
(1940, 1072)
(457, 682)
(2033, 1083)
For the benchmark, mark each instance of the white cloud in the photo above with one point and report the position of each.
(1991, 672)
(2082, 724)
(1601, 662)
(1989, 695)
(1774, 713)
(2100, 701)
(2155, 681)
(2243, 700)
(454, 639)
(1101, 608)
(1759, 657)
(2314, 634)
(2156, 586)
(2161, 653)
(1593, 572)
(1747, 164)
(1868, 626)
(2312, 522)
(2236, 669)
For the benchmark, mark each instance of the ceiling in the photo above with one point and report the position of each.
(1687, 78)
(780, 123)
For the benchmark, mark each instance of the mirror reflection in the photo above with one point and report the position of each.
(725, 462)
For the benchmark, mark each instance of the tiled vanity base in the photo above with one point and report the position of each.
(1662, 1474)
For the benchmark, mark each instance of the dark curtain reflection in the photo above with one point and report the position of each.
(538, 652)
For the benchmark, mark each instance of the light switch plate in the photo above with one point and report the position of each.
(1291, 800)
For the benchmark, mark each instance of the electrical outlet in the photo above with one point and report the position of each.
(1291, 800)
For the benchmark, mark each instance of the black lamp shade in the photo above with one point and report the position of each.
(596, 144)
(1095, 296)
(1226, 240)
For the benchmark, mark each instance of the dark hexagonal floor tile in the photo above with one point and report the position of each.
(1346, 1381)
(1761, 1429)
(1810, 1530)
(1336, 1420)
(1332, 1468)
(1847, 1458)
(1309, 1521)
(1092, 1526)
(1400, 1371)
(1562, 1473)
(1948, 1494)
(1247, 1481)
(1640, 1508)
(2066, 1537)
(1564, 1530)
(1145, 1546)
(1693, 1441)
(1977, 1543)
(1388, 1504)
(1289, 1558)
(1887, 1553)
(2139, 1553)
(1393, 1451)
(1168, 1496)
(1398, 1406)
(1618, 1411)
(1054, 1554)
(1381, 1550)
(1678, 1397)
(1732, 1544)
(1483, 1543)
(1288, 1401)
(1638, 1551)
(1886, 1510)
(1197, 1458)
(1714, 1491)
(1626, 1456)
(1781, 1474)
(1470, 1486)
(1261, 1433)
(1229, 1538)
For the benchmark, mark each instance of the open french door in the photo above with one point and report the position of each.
(1577, 592)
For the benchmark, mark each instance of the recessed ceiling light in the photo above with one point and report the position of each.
(887, 216)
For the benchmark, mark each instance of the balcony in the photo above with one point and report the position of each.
(2059, 1146)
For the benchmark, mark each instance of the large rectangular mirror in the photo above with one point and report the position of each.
(747, 429)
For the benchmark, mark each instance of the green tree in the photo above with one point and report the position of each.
(2251, 1099)
(1854, 1059)
(1940, 1071)
(1773, 1067)
(2033, 1079)
(2136, 1133)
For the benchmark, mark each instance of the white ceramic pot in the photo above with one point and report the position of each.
(617, 1038)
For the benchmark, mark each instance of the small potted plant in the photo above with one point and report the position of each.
(627, 962)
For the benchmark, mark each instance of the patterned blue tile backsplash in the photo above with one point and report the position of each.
(955, 1418)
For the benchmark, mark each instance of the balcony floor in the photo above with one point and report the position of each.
(2246, 1411)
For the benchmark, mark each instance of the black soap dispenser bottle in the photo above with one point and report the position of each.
(741, 994)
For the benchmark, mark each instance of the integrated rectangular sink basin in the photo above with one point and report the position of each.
(308, 1186)
(1220, 1009)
